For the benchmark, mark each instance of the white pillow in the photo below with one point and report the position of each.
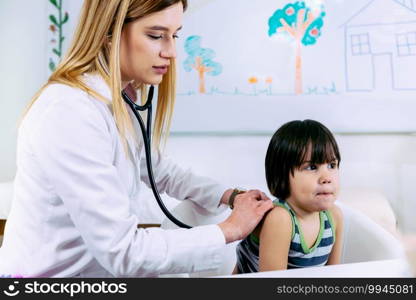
(373, 203)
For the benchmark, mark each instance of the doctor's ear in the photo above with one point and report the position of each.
(107, 40)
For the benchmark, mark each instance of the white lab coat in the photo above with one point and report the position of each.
(75, 190)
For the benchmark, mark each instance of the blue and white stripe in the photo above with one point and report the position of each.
(318, 256)
(299, 256)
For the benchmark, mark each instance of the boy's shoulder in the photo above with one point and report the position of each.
(277, 221)
(335, 210)
(279, 214)
(336, 213)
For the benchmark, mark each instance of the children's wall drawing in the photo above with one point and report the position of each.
(200, 59)
(57, 20)
(350, 64)
(249, 66)
(381, 47)
(303, 25)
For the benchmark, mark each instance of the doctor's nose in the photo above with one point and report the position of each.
(169, 50)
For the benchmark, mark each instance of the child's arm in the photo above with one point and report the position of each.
(335, 256)
(275, 237)
(235, 270)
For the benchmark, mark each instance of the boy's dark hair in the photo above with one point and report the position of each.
(288, 149)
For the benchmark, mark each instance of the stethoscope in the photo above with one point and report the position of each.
(146, 132)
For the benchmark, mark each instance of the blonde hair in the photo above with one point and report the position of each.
(101, 22)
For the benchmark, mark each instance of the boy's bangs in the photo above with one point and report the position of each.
(319, 152)
(324, 153)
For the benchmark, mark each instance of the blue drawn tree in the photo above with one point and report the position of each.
(303, 25)
(200, 59)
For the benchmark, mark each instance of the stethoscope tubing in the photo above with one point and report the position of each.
(146, 133)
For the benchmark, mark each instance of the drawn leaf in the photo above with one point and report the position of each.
(56, 52)
(53, 20)
(66, 17)
(54, 3)
(51, 65)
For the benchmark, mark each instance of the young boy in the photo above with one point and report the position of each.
(304, 229)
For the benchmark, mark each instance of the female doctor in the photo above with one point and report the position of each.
(79, 159)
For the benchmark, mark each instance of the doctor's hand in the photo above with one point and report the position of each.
(249, 209)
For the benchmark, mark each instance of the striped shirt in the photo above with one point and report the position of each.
(300, 255)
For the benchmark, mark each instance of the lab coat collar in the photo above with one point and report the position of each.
(96, 82)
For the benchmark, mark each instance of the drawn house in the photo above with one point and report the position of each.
(380, 47)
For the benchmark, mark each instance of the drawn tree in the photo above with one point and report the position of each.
(200, 59)
(57, 26)
(303, 25)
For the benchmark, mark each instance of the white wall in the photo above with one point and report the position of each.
(22, 69)
(24, 57)
(381, 163)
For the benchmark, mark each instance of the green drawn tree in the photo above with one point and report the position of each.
(303, 25)
(200, 59)
(56, 26)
